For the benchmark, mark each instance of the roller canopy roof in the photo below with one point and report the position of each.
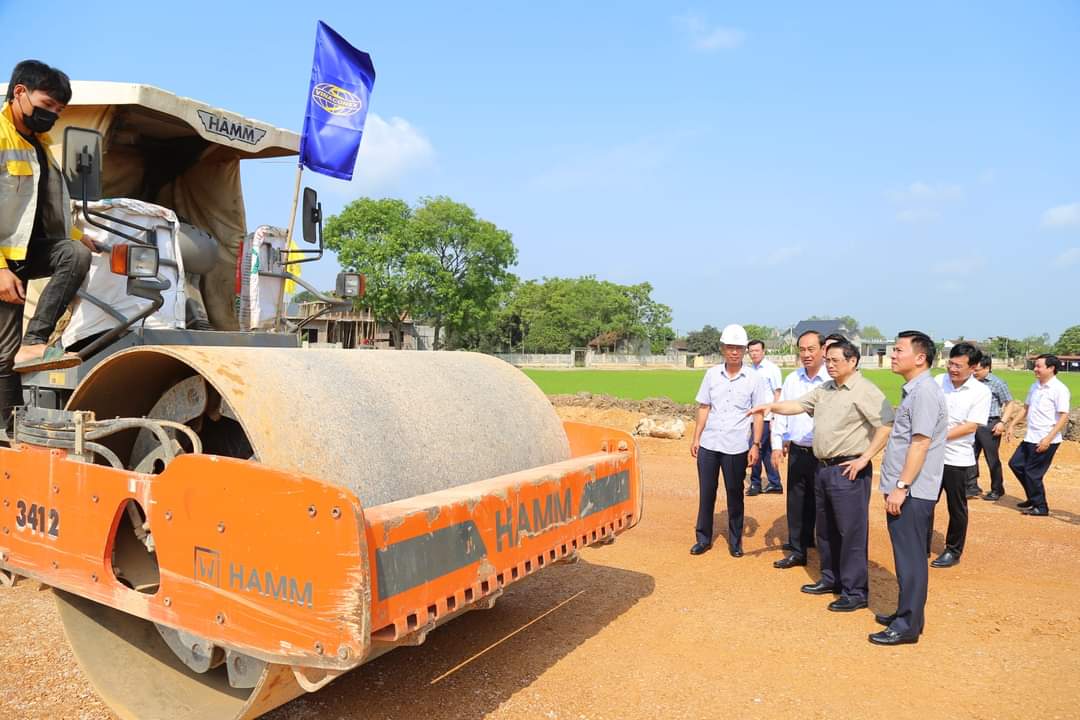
(153, 112)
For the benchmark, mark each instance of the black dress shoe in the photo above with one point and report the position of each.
(1035, 511)
(885, 620)
(891, 637)
(946, 559)
(992, 496)
(700, 548)
(846, 605)
(820, 588)
(789, 562)
(773, 490)
(735, 552)
(753, 491)
(1023, 504)
(788, 547)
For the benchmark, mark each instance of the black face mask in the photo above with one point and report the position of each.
(39, 120)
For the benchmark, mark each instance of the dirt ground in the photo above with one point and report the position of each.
(640, 629)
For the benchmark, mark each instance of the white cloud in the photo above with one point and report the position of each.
(781, 255)
(924, 202)
(1068, 258)
(704, 37)
(391, 149)
(912, 215)
(959, 267)
(616, 166)
(1062, 216)
(919, 191)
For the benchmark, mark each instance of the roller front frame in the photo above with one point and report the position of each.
(373, 586)
(293, 570)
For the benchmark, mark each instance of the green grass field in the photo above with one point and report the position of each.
(682, 385)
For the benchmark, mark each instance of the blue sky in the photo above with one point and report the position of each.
(913, 165)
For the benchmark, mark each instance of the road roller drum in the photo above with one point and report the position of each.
(237, 526)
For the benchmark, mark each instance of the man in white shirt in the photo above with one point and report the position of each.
(1047, 412)
(793, 438)
(968, 403)
(726, 438)
(770, 373)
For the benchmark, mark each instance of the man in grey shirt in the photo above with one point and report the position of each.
(911, 473)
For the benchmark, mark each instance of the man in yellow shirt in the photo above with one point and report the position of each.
(35, 222)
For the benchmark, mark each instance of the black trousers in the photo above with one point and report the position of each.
(843, 529)
(801, 498)
(1029, 465)
(710, 464)
(954, 484)
(908, 534)
(67, 262)
(989, 444)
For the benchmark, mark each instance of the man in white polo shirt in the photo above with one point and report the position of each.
(1047, 412)
(793, 437)
(968, 403)
(725, 438)
(770, 373)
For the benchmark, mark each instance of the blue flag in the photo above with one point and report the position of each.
(341, 81)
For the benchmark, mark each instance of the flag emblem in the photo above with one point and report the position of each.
(336, 100)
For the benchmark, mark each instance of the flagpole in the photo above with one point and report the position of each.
(280, 307)
(295, 201)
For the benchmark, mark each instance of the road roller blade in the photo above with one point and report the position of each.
(228, 528)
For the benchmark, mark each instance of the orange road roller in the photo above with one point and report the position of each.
(227, 528)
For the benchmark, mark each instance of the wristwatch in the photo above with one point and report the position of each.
(901, 485)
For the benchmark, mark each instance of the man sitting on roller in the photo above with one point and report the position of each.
(35, 222)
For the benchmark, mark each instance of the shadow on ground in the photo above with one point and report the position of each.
(412, 682)
(720, 528)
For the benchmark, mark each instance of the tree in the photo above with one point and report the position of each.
(372, 237)
(870, 332)
(1069, 342)
(705, 341)
(758, 332)
(461, 265)
(438, 261)
(1005, 347)
(850, 323)
(647, 319)
(553, 315)
(1036, 344)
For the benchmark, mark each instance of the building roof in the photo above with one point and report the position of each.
(825, 327)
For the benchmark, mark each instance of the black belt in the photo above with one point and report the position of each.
(830, 462)
(993, 420)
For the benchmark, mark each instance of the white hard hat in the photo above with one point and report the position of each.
(734, 335)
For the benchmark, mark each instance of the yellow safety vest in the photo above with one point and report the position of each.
(19, 175)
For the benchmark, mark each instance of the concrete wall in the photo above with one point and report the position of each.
(594, 360)
(675, 359)
(537, 359)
